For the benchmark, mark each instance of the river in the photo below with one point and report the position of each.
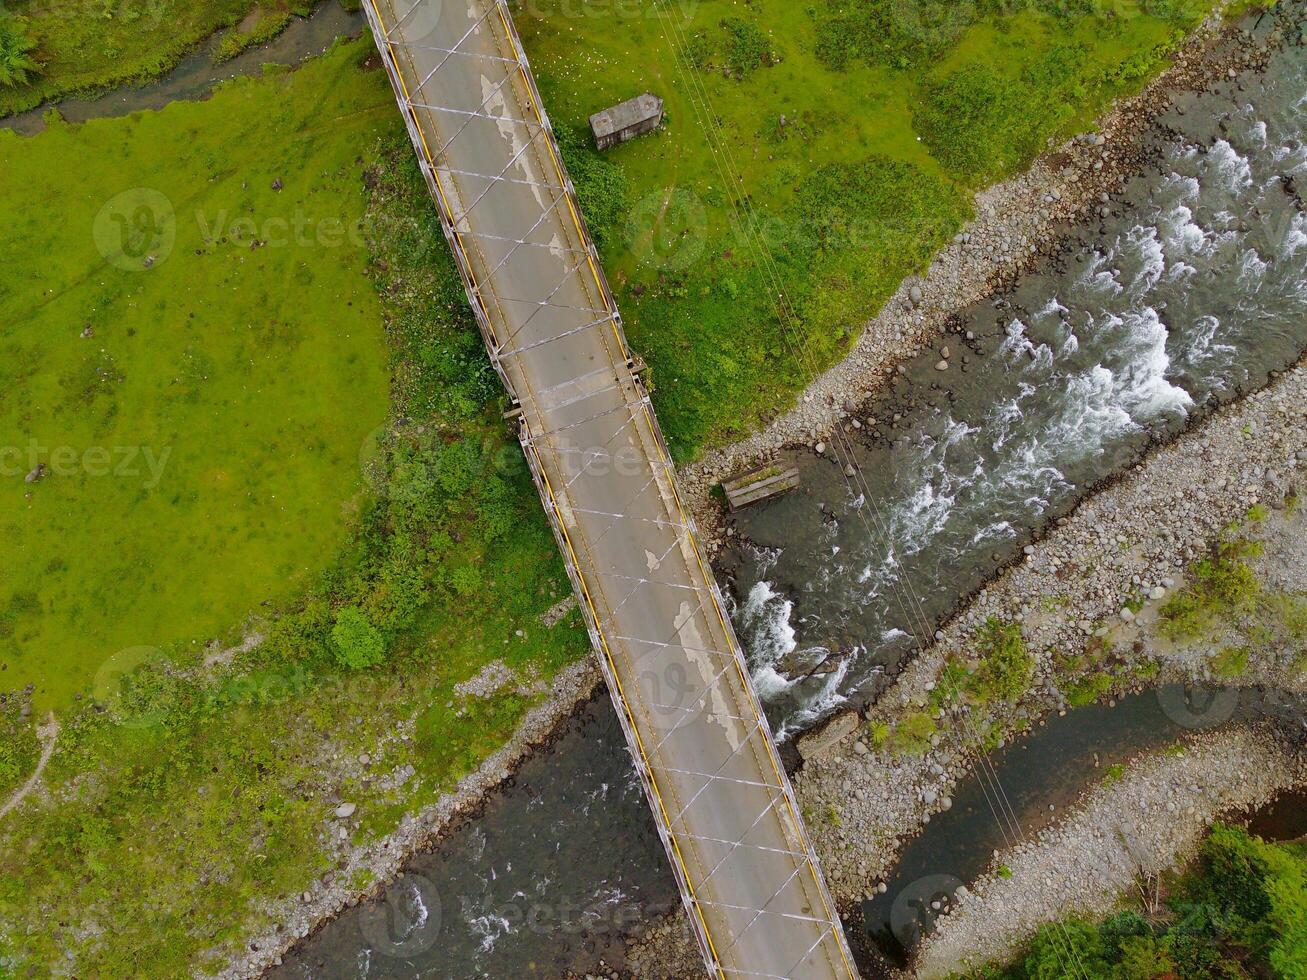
(1188, 291)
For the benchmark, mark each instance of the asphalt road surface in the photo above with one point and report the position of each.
(753, 890)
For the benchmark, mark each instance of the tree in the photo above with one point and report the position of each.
(357, 642)
(16, 61)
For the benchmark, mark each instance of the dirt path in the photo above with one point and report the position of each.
(48, 733)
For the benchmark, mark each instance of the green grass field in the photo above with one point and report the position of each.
(447, 558)
(200, 420)
(893, 113)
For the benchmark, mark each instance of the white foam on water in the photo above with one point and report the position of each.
(765, 621)
(490, 928)
(1234, 170)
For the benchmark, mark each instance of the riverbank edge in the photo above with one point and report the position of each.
(1089, 862)
(96, 90)
(1017, 222)
(958, 277)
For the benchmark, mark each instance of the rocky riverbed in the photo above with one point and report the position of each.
(1015, 223)
(1127, 547)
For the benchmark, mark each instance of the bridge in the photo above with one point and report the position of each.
(724, 808)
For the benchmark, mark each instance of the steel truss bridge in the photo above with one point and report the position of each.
(724, 808)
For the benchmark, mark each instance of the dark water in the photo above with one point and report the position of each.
(196, 74)
(1283, 819)
(1007, 798)
(550, 878)
(1190, 291)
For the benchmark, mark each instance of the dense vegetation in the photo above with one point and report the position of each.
(1241, 912)
(17, 65)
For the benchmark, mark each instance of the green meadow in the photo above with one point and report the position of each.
(194, 357)
(847, 136)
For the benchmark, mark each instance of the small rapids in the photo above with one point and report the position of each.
(1189, 291)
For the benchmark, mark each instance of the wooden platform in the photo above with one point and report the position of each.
(770, 481)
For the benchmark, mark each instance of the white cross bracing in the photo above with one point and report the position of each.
(723, 807)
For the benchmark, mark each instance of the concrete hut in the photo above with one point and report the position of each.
(625, 121)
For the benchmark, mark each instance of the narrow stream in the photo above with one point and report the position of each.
(196, 74)
(1189, 291)
(1036, 776)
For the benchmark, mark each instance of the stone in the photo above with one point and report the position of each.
(345, 811)
(821, 740)
(915, 294)
(941, 366)
(1127, 614)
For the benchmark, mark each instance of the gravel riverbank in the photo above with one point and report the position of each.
(1151, 819)
(1015, 222)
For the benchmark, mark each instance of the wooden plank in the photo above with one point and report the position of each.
(750, 488)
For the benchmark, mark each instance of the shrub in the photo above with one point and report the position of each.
(1230, 662)
(963, 118)
(747, 47)
(1220, 585)
(356, 642)
(1006, 664)
(912, 737)
(16, 61)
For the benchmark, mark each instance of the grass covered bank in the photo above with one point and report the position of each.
(186, 797)
(858, 133)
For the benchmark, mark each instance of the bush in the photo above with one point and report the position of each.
(16, 61)
(1006, 664)
(1242, 912)
(356, 642)
(963, 119)
(1221, 585)
(1231, 662)
(891, 32)
(747, 47)
(912, 737)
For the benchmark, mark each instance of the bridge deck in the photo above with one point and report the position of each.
(722, 803)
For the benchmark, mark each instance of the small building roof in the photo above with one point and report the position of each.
(626, 114)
